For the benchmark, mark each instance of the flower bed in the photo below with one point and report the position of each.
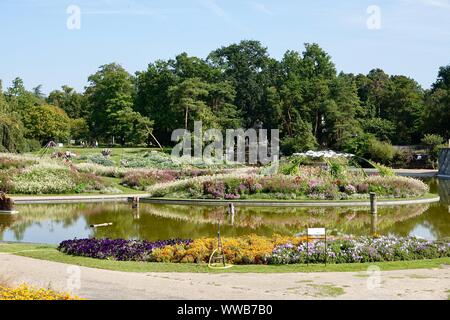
(312, 183)
(254, 249)
(363, 249)
(9, 161)
(25, 292)
(53, 179)
(116, 249)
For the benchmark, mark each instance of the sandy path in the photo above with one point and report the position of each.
(104, 284)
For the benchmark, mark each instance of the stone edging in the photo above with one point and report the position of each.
(281, 203)
(75, 199)
(255, 203)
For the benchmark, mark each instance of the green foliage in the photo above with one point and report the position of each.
(110, 90)
(79, 129)
(293, 166)
(11, 133)
(47, 123)
(131, 127)
(433, 143)
(73, 103)
(384, 171)
(338, 168)
(382, 129)
(302, 139)
(379, 151)
(238, 85)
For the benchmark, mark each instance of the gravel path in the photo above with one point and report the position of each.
(105, 284)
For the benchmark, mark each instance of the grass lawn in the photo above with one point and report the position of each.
(49, 252)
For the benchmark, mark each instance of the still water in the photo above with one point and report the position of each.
(57, 222)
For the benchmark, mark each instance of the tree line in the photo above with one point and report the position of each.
(238, 85)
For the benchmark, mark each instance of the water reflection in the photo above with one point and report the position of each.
(54, 223)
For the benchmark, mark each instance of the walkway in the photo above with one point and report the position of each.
(105, 284)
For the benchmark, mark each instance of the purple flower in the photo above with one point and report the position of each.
(116, 249)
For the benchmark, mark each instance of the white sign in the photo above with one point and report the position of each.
(316, 231)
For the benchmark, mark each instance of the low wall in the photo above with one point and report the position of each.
(444, 163)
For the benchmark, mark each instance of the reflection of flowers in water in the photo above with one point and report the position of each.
(343, 219)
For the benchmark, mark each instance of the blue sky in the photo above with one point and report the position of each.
(36, 44)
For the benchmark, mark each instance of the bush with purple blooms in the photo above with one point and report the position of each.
(116, 249)
(363, 249)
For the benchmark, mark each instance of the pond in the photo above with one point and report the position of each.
(51, 224)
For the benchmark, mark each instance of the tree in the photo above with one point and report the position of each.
(302, 140)
(70, 101)
(437, 105)
(220, 100)
(19, 99)
(189, 97)
(131, 127)
(154, 100)
(37, 91)
(246, 66)
(403, 105)
(110, 90)
(375, 95)
(383, 129)
(11, 132)
(433, 143)
(79, 129)
(47, 123)
(340, 122)
(318, 72)
(443, 79)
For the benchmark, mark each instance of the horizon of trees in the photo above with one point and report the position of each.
(237, 85)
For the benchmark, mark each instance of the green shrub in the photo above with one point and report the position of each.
(433, 143)
(379, 151)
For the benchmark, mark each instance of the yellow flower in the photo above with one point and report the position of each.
(26, 292)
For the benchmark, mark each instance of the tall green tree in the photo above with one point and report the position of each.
(403, 105)
(46, 123)
(340, 119)
(154, 99)
(318, 72)
(437, 109)
(189, 96)
(72, 102)
(246, 65)
(19, 99)
(110, 90)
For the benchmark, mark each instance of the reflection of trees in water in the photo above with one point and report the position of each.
(35, 214)
(169, 221)
(436, 220)
(290, 220)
